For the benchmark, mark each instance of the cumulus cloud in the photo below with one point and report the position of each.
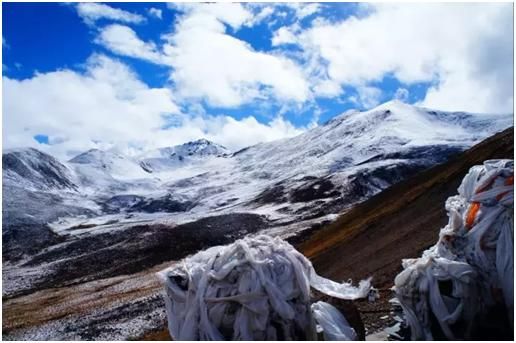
(326, 88)
(232, 133)
(465, 50)
(238, 75)
(91, 12)
(284, 35)
(106, 106)
(209, 64)
(264, 13)
(123, 40)
(276, 12)
(368, 97)
(232, 14)
(303, 10)
(454, 47)
(155, 12)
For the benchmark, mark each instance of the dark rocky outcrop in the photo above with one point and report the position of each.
(138, 248)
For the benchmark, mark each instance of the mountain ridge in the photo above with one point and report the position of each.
(313, 175)
(190, 152)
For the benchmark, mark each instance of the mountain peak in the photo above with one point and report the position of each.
(393, 104)
(200, 141)
(199, 147)
(32, 168)
(93, 155)
(168, 158)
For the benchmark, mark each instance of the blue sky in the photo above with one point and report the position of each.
(238, 73)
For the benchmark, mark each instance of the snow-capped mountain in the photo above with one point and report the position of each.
(118, 166)
(31, 169)
(309, 177)
(177, 156)
(104, 173)
(353, 138)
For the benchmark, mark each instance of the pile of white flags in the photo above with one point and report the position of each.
(257, 288)
(471, 267)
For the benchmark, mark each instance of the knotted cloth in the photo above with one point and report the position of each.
(471, 267)
(257, 288)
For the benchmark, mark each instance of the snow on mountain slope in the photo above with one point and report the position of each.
(313, 175)
(352, 138)
(180, 155)
(105, 173)
(352, 156)
(31, 169)
(118, 166)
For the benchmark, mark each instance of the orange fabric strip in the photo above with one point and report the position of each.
(472, 214)
(475, 206)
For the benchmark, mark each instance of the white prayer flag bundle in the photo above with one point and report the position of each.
(257, 288)
(470, 269)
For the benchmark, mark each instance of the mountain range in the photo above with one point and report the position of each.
(317, 173)
(62, 218)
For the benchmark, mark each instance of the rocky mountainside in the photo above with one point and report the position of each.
(136, 213)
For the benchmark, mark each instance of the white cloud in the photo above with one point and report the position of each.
(465, 49)
(225, 71)
(106, 106)
(90, 12)
(232, 14)
(368, 97)
(208, 64)
(233, 134)
(123, 40)
(155, 12)
(265, 12)
(327, 88)
(303, 10)
(284, 35)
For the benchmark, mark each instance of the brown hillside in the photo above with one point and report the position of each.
(400, 222)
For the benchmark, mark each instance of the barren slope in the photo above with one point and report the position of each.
(400, 222)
